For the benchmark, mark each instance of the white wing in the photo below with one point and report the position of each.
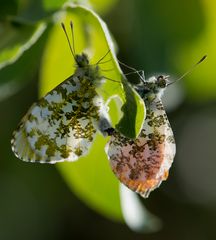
(142, 164)
(61, 126)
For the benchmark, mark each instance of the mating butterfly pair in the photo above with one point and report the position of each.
(62, 126)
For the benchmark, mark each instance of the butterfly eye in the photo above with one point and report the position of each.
(161, 81)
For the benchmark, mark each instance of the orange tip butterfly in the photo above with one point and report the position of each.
(62, 125)
(143, 163)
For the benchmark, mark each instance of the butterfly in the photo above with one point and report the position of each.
(143, 163)
(62, 125)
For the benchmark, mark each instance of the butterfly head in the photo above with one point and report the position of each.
(153, 87)
(82, 60)
(161, 81)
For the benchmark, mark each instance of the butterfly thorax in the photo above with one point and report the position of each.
(152, 88)
(90, 72)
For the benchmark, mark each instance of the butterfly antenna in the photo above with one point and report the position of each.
(189, 71)
(103, 57)
(104, 62)
(64, 29)
(141, 76)
(72, 33)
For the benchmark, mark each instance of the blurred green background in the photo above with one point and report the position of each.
(157, 36)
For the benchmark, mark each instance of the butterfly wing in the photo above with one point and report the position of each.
(60, 126)
(142, 164)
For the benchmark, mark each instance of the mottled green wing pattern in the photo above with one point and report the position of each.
(62, 125)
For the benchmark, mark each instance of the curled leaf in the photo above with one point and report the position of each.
(91, 177)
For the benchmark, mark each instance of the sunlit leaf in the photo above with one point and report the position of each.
(92, 36)
(15, 38)
(92, 180)
(91, 177)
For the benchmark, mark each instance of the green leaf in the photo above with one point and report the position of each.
(92, 36)
(14, 76)
(15, 38)
(133, 111)
(92, 180)
(91, 177)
